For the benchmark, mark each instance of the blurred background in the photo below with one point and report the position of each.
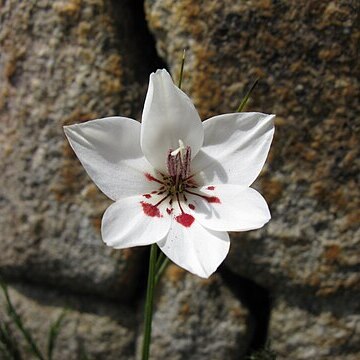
(294, 283)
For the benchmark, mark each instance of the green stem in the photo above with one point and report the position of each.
(149, 303)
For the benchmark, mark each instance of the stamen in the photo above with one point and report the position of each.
(178, 164)
(179, 178)
(178, 200)
(159, 202)
(186, 163)
(171, 164)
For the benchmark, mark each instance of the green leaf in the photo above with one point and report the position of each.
(182, 69)
(160, 270)
(246, 97)
(53, 334)
(15, 317)
(8, 344)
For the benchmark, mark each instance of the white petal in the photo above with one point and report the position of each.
(195, 248)
(125, 224)
(169, 116)
(109, 149)
(235, 148)
(229, 208)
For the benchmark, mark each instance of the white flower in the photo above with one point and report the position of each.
(176, 181)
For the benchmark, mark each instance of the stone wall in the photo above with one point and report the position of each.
(295, 282)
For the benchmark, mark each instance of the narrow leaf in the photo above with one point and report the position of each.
(15, 317)
(161, 269)
(8, 343)
(53, 334)
(182, 68)
(246, 97)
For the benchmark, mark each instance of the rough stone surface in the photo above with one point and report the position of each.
(311, 335)
(102, 330)
(68, 61)
(61, 62)
(306, 56)
(198, 318)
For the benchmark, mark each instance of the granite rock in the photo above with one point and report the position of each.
(300, 334)
(305, 54)
(61, 62)
(99, 329)
(67, 61)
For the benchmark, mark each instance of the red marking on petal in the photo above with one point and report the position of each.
(154, 192)
(185, 219)
(212, 199)
(151, 178)
(150, 210)
(148, 196)
(169, 211)
(192, 207)
(211, 187)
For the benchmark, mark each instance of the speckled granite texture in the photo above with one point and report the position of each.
(199, 318)
(68, 61)
(306, 55)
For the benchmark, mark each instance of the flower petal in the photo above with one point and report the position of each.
(109, 149)
(195, 248)
(228, 208)
(126, 224)
(168, 116)
(235, 148)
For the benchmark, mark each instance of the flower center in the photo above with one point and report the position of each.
(178, 165)
(175, 187)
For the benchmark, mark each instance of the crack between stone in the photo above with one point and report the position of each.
(257, 300)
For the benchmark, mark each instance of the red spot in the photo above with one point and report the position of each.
(185, 219)
(212, 199)
(148, 196)
(154, 192)
(169, 211)
(192, 207)
(150, 210)
(211, 187)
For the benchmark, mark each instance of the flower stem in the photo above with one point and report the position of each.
(149, 302)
